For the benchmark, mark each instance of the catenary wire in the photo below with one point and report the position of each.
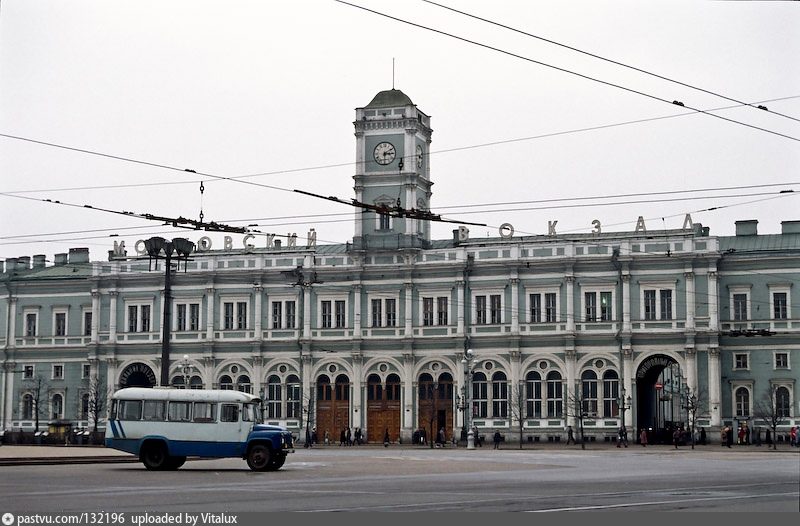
(618, 63)
(564, 70)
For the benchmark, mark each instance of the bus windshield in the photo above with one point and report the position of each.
(251, 413)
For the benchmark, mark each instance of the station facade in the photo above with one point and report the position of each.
(595, 329)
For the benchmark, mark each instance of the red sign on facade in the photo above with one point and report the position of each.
(659, 386)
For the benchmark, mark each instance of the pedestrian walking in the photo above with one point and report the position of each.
(676, 436)
(570, 435)
(793, 436)
(729, 434)
(440, 440)
(643, 437)
(327, 438)
(342, 437)
(622, 437)
(497, 439)
(703, 436)
(386, 438)
(348, 436)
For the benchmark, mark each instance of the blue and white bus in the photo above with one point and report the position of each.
(163, 426)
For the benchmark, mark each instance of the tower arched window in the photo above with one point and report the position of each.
(274, 397)
(783, 403)
(742, 396)
(57, 404)
(499, 395)
(342, 387)
(226, 383)
(533, 395)
(480, 395)
(294, 397)
(27, 407)
(610, 394)
(374, 387)
(324, 391)
(589, 392)
(393, 387)
(243, 384)
(555, 395)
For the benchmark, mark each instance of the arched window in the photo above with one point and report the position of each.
(533, 395)
(555, 395)
(324, 388)
(195, 382)
(424, 386)
(177, 382)
(294, 397)
(782, 402)
(480, 396)
(393, 387)
(57, 404)
(499, 395)
(27, 407)
(243, 384)
(342, 387)
(226, 383)
(445, 386)
(610, 394)
(589, 392)
(374, 387)
(274, 396)
(742, 402)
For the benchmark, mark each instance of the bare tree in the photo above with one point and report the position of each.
(308, 409)
(766, 408)
(696, 406)
(517, 407)
(576, 408)
(38, 388)
(97, 403)
(429, 410)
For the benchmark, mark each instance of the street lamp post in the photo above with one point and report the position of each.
(186, 370)
(624, 403)
(468, 361)
(154, 247)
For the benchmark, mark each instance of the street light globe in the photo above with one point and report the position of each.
(186, 357)
(469, 353)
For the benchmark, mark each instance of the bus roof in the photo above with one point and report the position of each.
(183, 395)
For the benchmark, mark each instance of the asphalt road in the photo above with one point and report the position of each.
(378, 479)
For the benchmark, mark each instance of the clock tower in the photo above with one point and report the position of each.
(393, 140)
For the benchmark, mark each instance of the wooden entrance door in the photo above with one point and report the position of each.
(435, 399)
(383, 408)
(333, 406)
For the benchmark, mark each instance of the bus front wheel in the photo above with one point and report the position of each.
(174, 463)
(154, 456)
(276, 462)
(258, 458)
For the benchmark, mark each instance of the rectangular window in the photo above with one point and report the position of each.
(86, 370)
(427, 312)
(590, 302)
(58, 372)
(780, 307)
(30, 324)
(290, 314)
(740, 307)
(229, 413)
(536, 308)
(496, 312)
(605, 306)
(293, 402)
(740, 361)
(204, 412)
(340, 314)
(499, 399)
(87, 323)
(241, 315)
(194, 316)
(228, 316)
(555, 398)
(277, 314)
(326, 314)
(781, 360)
(60, 323)
(27, 372)
(180, 411)
(130, 410)
(384, 222)
(274, 400)
(441, 310)
(391, 312)
(145, 311)
(666, 304)
(154, 410)
(649, 305)
(550, 307)
(480, 310)
(133, 318)
(181, 317)
(376, 313)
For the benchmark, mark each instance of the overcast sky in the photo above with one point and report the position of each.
(242, 88)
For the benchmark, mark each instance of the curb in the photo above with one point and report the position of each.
(39, 461)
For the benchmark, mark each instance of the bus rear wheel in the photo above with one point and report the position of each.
(174, 463)
(154, 456)
(259, 458)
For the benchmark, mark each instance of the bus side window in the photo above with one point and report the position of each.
(180, 411)
(247, 414)
(113, 414)
(153, 410)
(130, 409)
(229, 413)
(204, 412)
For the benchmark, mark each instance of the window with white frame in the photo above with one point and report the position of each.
(60, 322)
(28, 371)
(332, 313)
(87, 322)
(274, 398)
(480, 395)
(283, 313)
(31, 318)
(610, 394)
(740, 303)
(783, 402)
(555, 395)
(499, 395)
(435, 308)
(384, 222)
(488, 308)
(598, 305)
(657, 301)
(86, 370)
(543, 306)
(57, 406)
(383, 312)
(138, 316)
(781, 360)
(58, 371)
(27, 406)
(589, 392)
(187, 316)
(234, 313)
(741, 396)
(780, 301)
(533, 395)
(741, 360)
(293, 397)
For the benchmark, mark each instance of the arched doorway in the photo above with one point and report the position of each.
(383, 408)
(333, 406)
(659, 406)
(137, 375)
(435, 399)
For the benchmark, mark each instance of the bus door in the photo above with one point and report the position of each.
(234, 423)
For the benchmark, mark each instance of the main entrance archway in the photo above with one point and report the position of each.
(137, 375)
(383, 408)
(659, 384)
(333, 406)
(435, 399)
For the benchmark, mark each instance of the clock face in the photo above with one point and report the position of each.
(419, 156)
(384, 153)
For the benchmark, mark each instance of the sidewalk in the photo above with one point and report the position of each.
(12, 455)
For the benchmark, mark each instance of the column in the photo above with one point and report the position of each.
(95, 337)
(570, 280)
(688, 275)
(713, 300)
(357, 417)
(357, 310)
(112, 317)
(408, 394)
(258, 298)
(111, 375)
(626, 301)
(12, 323)
(409, 308)
(8, 390)
(514, 305)
(306, 312)
(460, 307)
(570, 396)
(627, 383)
(691, 369)
(258, 375)
(309, 392)
(714, 386)
(210, 314)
